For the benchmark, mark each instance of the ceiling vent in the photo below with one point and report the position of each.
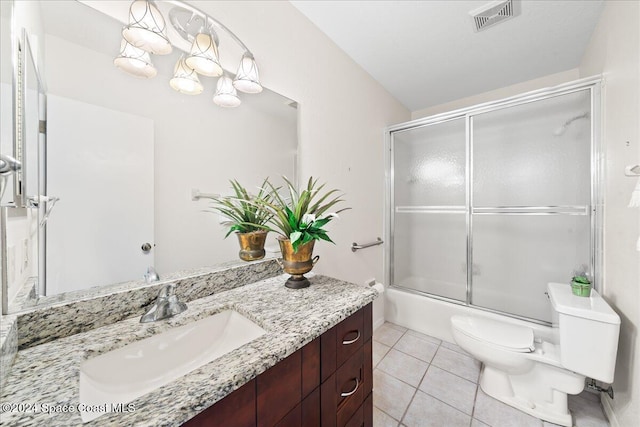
(494, 13)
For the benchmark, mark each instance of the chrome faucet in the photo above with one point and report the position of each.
(166, 305)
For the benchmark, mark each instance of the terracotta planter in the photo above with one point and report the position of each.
(252, 245)
(297, 263)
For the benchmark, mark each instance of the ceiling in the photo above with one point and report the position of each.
(427, 53)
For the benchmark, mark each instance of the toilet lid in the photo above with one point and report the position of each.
(505, 335)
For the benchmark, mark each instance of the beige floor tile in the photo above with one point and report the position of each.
(457, 363)
(427, 411)
(382, 419)
(424, 336)
(387, 335)
(403, 367)
(586, 411)
(454, 347)
(449, 388)
(390, 394)
(417, 347)
(379, 351)
(476, 423)
(497, 414)
(394, 326)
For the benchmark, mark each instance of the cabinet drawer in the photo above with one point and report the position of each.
(344, 340)
(350, 337)
(343, 393)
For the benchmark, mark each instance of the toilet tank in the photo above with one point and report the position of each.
(588, 329)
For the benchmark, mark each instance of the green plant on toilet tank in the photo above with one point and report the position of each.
(581, 285)
(246, 217)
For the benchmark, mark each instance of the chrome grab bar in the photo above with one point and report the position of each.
(355, 246)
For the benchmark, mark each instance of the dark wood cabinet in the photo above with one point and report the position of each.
(326, 383)
(347, 347)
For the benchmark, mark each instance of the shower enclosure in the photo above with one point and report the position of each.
(490, 203)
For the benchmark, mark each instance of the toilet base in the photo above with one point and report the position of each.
(523, 392)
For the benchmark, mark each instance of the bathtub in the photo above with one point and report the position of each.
(431, 316)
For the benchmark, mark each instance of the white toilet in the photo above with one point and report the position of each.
(535, 373)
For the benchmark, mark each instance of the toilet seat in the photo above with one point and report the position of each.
(502, 335)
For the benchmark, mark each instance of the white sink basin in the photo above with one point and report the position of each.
(109, 381)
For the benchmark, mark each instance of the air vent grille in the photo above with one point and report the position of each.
(493, 13)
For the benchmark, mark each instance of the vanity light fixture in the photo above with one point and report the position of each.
(135, 61)
(247, 79)
(204, 54)
(147, 33)
(147, 28)
(185, 79)
(226, 95)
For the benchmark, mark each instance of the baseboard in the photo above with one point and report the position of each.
(608, 410)
(378, 323)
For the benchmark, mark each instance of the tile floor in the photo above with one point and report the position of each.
(420, 381)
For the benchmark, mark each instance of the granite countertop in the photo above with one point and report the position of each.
(49, 373)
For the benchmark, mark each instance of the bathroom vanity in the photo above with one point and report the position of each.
(311, 367)
(328, 382)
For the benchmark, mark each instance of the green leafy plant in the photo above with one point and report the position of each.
(245, 212)
(581, 279)
(302, 216)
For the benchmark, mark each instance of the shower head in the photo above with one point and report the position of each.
(562, 129)
(8, 165)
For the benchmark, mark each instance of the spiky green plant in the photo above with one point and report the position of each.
(242, 210)
(302, 216)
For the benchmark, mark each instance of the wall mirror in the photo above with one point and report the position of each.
(121, 158)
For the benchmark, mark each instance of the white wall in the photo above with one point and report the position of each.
(614, 50)
(343, 114)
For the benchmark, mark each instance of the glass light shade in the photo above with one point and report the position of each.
(247, 79)
(146, 29)
(185, 79)
(204, 55)
(135, 61)
(226, 95)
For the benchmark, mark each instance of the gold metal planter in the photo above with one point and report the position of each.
(252, 245)
(297, 263)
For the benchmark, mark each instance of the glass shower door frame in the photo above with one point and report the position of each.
(593, 210)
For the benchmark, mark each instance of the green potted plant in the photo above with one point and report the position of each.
(246, 218)
(581, 285)
(300, 220)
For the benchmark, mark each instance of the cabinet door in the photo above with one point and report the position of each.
(236, 410)
(279, 390)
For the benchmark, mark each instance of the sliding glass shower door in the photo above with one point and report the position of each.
(531, 201)
(430, 237)
(491, 204)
